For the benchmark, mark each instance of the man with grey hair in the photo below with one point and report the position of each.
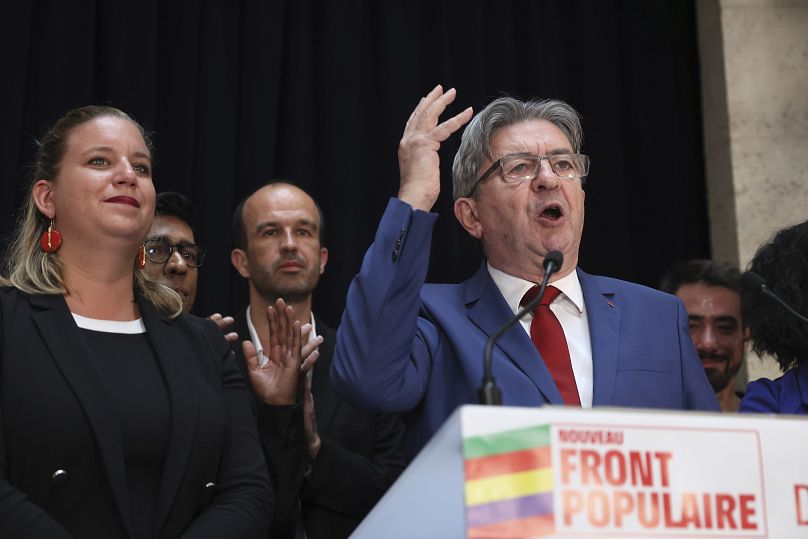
(518, 189)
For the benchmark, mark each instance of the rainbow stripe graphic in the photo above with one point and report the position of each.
(509, 484)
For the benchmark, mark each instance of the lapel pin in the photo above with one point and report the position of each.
(610, 303)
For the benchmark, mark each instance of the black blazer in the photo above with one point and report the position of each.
(360, 455)
(62, 469)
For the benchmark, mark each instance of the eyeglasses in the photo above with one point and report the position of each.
(525, 167)
(159, 250)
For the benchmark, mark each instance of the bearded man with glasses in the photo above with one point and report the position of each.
(518, 176)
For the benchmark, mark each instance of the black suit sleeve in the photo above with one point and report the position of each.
(242, 505)
(283, 439)
(343, 481)
(18, 516)
(280, 429)
(360, 454)
(351, 483)
(358, 459)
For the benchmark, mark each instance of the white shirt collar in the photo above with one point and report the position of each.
(513, 288)
(132, 327)
(257, 342)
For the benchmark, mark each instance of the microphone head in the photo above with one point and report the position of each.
(752, 281)
(555, 258)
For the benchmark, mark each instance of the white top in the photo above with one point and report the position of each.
(262, 359)
(570, 309)
(132, 327)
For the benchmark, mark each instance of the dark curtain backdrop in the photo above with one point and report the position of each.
(241, 92)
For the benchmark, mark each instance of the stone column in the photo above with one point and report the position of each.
(754, 67)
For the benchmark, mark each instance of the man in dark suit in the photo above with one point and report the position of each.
(518, 174)
(331, 467)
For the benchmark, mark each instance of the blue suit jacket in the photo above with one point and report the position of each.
(786, 395)
(406, 346)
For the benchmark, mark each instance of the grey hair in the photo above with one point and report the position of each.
(475, 144)
(25, 265)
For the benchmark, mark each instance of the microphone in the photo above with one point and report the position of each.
(754, 282)
(489, 393)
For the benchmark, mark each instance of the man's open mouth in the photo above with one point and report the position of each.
(552, 212)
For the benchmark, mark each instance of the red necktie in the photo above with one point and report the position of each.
(548, 337)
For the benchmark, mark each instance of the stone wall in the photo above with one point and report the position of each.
(754, 66)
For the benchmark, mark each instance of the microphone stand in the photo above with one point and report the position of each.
(754, 282)
(765, 289)
(489, 393)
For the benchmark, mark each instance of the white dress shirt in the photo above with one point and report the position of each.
(110, 326)
(570, 309)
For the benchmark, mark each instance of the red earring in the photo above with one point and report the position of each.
(51, 239)
(141, 256)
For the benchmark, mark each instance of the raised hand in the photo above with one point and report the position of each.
(418, 160)
(278, 380)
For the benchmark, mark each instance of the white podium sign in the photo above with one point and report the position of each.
(556, 472)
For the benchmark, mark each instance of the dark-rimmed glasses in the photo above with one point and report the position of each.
(159, 250)
(525, 167)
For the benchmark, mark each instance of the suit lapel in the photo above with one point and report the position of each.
(326, 402)
(603, 313)
(240, 327)
(488, 311)
(171, 349)
(69, 350)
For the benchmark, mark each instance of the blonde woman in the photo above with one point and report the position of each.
(121, 417)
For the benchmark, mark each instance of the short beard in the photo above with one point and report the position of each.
(719, 380)
(263, 283)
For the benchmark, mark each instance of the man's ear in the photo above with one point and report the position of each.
(746, 339)
(323, 259)
(43, 198)
(239, 260)
(465, 210)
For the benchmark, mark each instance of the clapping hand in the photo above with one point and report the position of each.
(280, 380)
(224, 323)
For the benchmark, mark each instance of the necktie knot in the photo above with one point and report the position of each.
(550, 294)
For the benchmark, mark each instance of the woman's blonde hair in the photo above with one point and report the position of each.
(25, 265)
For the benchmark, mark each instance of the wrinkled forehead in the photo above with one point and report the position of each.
(535, 137)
